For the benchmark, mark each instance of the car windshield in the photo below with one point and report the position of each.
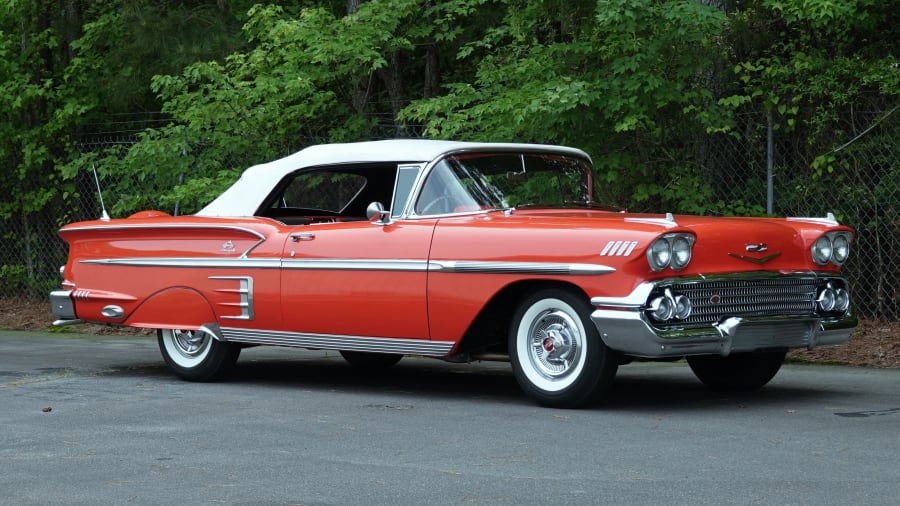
(501, 181)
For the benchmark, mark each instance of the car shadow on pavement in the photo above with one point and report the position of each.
(669, 388)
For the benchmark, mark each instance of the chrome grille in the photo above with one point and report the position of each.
(715, 299)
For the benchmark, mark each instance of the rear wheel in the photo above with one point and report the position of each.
(741, 372)
(370, 361)
(195, 356)
(556, 352)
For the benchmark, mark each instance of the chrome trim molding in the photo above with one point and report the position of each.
(456, 266)
(244, 292)
(107, 228)
(668, 221)
(240, 262)
(519, 268)
(333, 342)
(619, 248)
(635, 300)
(827, 220)
(341, 264)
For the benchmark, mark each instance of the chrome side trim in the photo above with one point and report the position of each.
(454, 266)
(519, 268)
(106, 228)
(335, 342)
(347, 264)
(257, 263)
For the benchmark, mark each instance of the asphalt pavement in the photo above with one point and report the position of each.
(99, 420)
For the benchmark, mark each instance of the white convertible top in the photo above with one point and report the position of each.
(245, 196)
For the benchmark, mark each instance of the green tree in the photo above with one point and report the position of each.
(62, 67)
(309, 75)
(623, 79)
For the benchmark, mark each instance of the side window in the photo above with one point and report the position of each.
(441, 193)
(322, 190)
(406, 178)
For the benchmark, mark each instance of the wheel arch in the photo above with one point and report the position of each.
(488, 331)
(176, 307)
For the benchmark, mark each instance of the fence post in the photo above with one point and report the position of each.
(180, 182)
(770, 164)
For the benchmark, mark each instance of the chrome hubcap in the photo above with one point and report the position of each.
(555, 343)
(189, 343)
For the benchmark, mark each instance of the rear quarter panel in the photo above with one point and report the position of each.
(172, 272)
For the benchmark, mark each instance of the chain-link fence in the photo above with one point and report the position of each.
(853, 173)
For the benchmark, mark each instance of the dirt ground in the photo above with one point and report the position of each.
(875, 343)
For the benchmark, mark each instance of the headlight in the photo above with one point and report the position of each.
(840, 249)
(681, 252)
(826, 299)
(821, 250)
(831, 247)
(683, 307)
(659, 254)
(841, 299)
(669, 306)
(662, 308)
(670, 250)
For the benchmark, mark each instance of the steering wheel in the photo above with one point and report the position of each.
(444, 200)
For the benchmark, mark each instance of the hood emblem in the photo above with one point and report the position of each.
(757, 248)
(758, 261)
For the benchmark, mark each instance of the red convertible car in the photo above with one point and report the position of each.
(463, 252)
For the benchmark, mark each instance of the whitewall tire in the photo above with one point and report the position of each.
(194, 355)
(556, 352)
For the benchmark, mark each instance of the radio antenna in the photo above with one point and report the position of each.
(103, 215)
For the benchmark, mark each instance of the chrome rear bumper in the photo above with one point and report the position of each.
(63, 308)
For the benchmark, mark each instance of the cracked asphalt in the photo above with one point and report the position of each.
(99, 420)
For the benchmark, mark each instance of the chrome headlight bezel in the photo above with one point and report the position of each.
(672, 250)
(831, 247)
(840, 248)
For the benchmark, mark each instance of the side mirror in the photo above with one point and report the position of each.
(376, 213)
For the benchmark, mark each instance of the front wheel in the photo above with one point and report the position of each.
(741, 372)
(194, 355)
(557, 355)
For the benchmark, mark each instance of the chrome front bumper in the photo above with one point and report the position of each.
(624, 327)
(63, 308)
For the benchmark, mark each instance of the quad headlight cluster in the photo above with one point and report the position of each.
(832, 298)
(670, 250)
(670, 306)
(831, 247)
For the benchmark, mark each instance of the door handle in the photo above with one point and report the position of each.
(303, 236)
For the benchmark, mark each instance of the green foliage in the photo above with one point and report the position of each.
(307, 76)
(618, 78)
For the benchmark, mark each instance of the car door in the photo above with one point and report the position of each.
(359, 278)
